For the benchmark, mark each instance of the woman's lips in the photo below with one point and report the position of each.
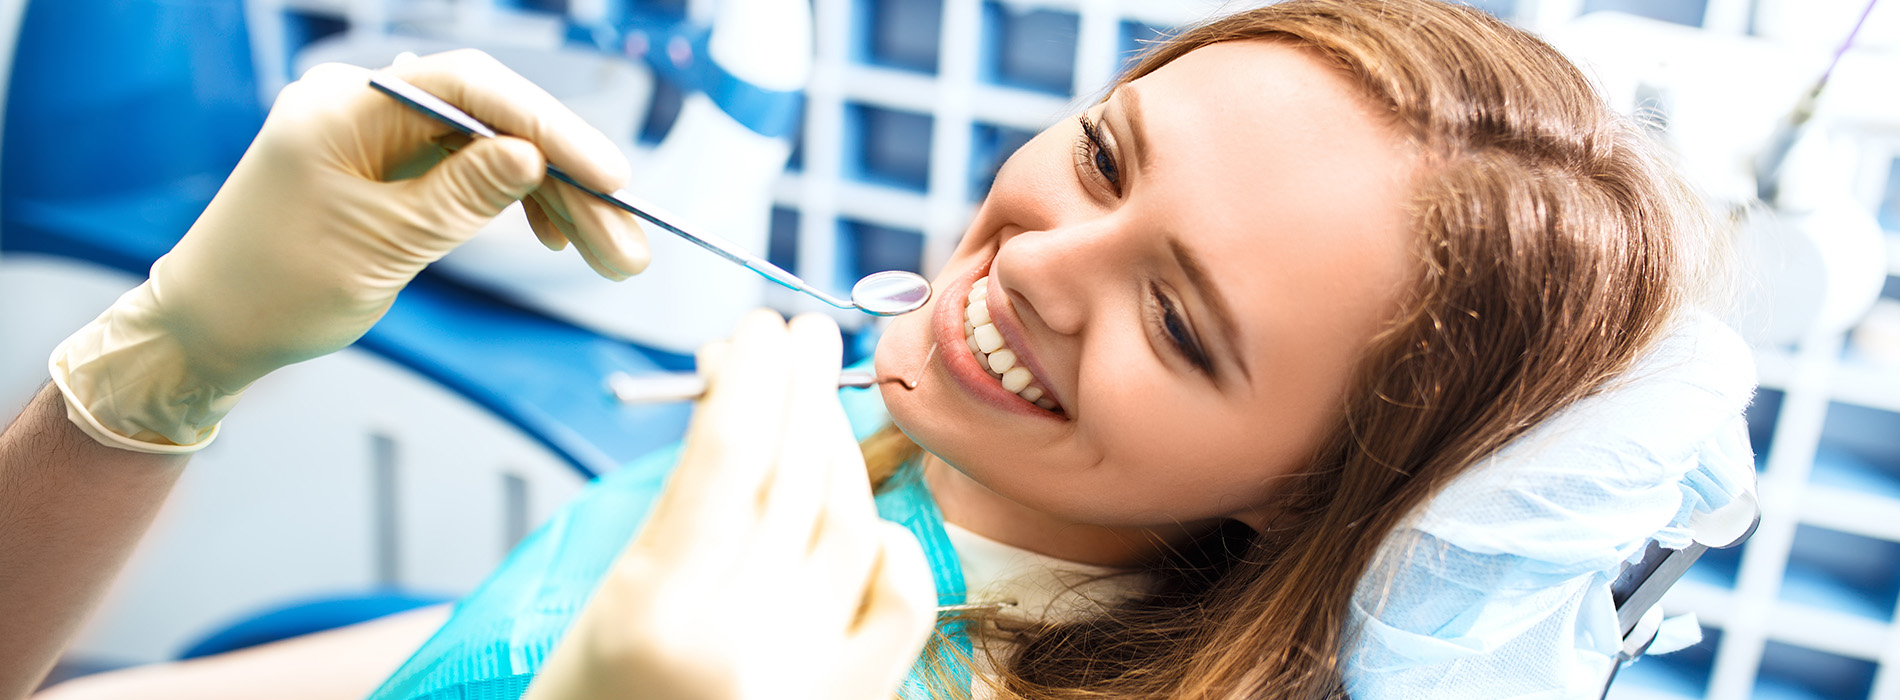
(960, 364)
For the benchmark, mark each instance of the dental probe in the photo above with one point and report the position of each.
(687, 386)
(888, 293)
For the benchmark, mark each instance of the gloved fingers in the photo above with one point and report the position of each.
(319, 120)
(554, 206)
(710, 358)
(607, 238)
(895, 620)
(544, 229)
(316, 92)
(330, 116)
(903, 592)
(614, 236)
(845, 547)
(554, 201)
(489, 91)
(848, 496)
(475, 184)
(846, 550)
(796, 493)
(840, 569)
(849, 510)
(593, 259)
(564, 204)
(332, 74)
(548, 200)
(738, 426)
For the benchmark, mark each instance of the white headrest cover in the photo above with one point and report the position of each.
(1500, 588)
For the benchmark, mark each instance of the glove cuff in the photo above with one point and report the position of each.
(127, 383)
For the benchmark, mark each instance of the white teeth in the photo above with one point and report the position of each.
(1002, 360)
(988, 339)
(977, 314)
(1016, 378)
(986, 343)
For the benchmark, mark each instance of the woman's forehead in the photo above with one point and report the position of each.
(1278, 172)
(1248, 100)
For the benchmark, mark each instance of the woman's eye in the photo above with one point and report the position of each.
(1180, 334)
(1093, 158)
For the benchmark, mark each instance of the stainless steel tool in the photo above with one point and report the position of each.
(687, 386)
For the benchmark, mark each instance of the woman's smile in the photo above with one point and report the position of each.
(982, 345)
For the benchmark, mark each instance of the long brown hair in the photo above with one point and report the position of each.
(1553, 246)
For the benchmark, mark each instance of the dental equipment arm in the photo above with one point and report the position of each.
(70, 511)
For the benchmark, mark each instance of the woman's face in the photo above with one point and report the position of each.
(1189, 272)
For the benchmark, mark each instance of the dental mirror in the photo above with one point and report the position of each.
(888, 293)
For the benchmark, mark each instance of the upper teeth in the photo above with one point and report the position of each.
(991, 352)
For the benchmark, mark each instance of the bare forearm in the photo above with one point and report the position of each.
(71, 511)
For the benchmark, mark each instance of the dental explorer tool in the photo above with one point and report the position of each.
(888, 293)
(686, 386)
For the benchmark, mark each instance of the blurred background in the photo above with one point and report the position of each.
(845, 137)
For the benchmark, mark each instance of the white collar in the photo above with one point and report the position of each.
(1041, 587)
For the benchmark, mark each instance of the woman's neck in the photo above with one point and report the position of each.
(976, 508)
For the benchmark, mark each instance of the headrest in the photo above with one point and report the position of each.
(1500, 587)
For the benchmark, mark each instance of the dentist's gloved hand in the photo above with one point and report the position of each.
(763, 570)
(344, 196)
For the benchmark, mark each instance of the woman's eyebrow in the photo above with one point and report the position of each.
(1137, 130)
(1209, 292)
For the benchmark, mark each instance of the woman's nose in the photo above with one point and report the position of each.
(1055, 276)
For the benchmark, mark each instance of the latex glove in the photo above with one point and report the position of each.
(764, 570)
(319, 226)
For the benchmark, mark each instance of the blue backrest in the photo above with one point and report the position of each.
(117, 99)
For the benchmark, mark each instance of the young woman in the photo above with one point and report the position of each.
(1305, 265)
(1211, 346)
